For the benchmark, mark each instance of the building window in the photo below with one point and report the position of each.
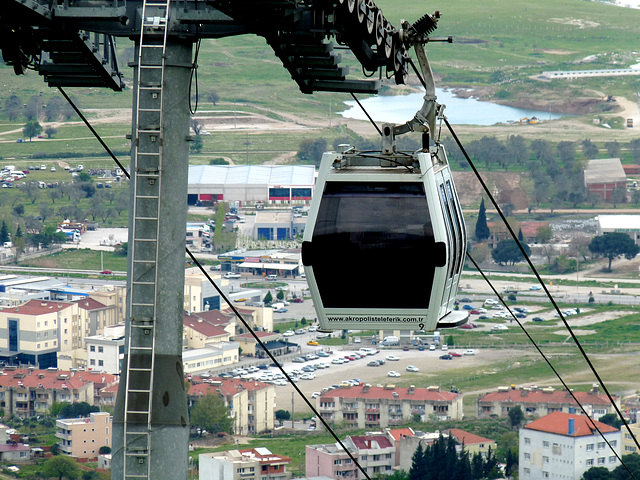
(92, 348)
(527, 471)
(601, 461)
(600, 445)
(527, 441)
(545, 474)
(612, 459)
(545, 459)
(589, 462)
(613, 443)
(100, 349)
(92, 362)
(590, 447)
(101, 363)
(527, 456)
(337, 462)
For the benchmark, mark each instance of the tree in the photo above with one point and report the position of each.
(508, 252)
(613, 245)
(104, 450)
(32, 129)
(311, 150)
(516, 416)
(613, 149)
(597, 473)
(62, 467)
(32, 191)
(567, 153)
(33, 110)
(508, 209)
(618, 195)
(544, 233)
(634, 146)
(18, 210)
(482, 229)
(4, 233)
(50, 131)
(589, 149)
(268, 298)
(517, 148)
(67, 110)
(53, 108)
(611, 419)
(196, 144)
(213, 97)
(280, 295)
(211, 414)
(78, 410)
(13, 105)
(632, 462)
(196, 125)
(282, 415)
(542, 151)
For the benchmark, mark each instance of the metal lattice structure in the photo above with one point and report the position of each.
(71, 43)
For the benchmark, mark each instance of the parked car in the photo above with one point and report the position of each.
(299, 360)
(313, 343)
(393, 373)
(322, 354)
(432, 347)
(297, 300)
(499, 328)
(282, 310)
(373, 363)
(392, 358)
(288, 333)
(520, 315)
(232, 275)
(466, 326)
(315, 394)
(412, 368)
(106, 272)
(535, 287)
(469, 352)
(490, 301)
(537, 319)
(446, 357)
(468, 307)
(455, 354)
(300, 331)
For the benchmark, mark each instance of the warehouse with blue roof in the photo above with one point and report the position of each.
(269, 184)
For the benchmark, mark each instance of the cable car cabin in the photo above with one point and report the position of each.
(385, 242)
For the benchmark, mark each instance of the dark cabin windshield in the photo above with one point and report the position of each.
(372, 243)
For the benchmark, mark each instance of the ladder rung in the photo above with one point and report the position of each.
(146, 218)
(145, 240)
(137, 412)
(148, 153)
(139, 369)
(143, 304)
(148, 196)
(152, 175)
(136, 432)
(152, 46)
(151, 67)
(146, 349)
(142, 130)
(143, 283)
(149, 110)
(139, 391)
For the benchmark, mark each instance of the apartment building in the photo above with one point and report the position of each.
(253, 464)
(365, 406)
(204, 329)
(250, 403)
(564, 446)
(30, 392)
(105, 352)
(472, 443)
(538, 402)
(216, 355)
(83, 437)
(36, 331)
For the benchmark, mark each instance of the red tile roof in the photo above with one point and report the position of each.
(204, 327)
(558, 422)
(383, 393)
(399, 433)
(365, 442)
(228, 386)
(530, 229)
(37, 307)
(215, 317)
(15, 448)
(49, 379)
(467, 438)
(538, 396)
(90, 304)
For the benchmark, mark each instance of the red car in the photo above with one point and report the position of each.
(467, 326)
(106, 272)
(455, 354)
(297, 300)
(350, 357)
(475, 312)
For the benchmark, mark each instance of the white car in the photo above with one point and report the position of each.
(393, 374)
(499, 315)
(280, 382)
(338, 361)
(288, 333)
(392, 358)
(308, 376)
(490, 301)
(313, 328)
(498, 328)
(315, 394)
(469, 352)
(444, 347)
(432, 347)
(232, 275)
(412, 368)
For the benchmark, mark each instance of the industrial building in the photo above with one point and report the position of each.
(629, 224)
(603, 176)
(265, 184)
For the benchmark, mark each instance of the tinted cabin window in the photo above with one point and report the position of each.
(373, 246)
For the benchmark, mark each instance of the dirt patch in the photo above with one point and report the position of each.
(505, 186)
(575, 22)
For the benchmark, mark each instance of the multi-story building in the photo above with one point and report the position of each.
(258, 318)
(105, 352)
(629, 439)
(537, 402)
(199, 294)
(253, 464)
(376, 454)
(216, 355)
(250, 402)
(205, 329)
(472, 443)
(114, 296)
(95, 316)
(249, 344)
(30, 392)
(564, 446)
(37, 330)
(83, 437)
(371, 407)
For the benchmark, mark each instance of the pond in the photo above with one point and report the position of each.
(400, 108)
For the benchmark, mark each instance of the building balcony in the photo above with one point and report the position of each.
(372, 410)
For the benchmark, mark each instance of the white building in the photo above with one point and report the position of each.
(104, 352)
(629, 224)
(564, 446)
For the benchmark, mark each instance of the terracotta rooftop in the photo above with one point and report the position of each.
(37, 307)
(403, 393)
(228, 386)
(204, 327)
(90, 304)
(467, 438)
(400, 433)
(366, 442)
(215, 317)
(51, 379)
(558, 423)
(539, 396)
